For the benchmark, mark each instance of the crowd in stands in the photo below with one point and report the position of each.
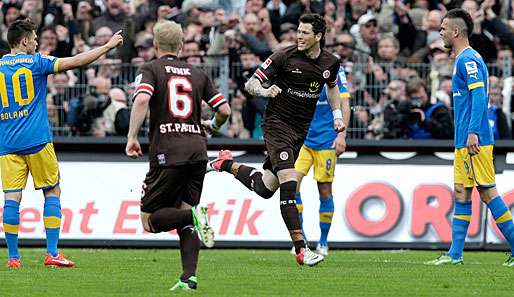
(398, 70)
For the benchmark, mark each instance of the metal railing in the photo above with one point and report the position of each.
(67, 104)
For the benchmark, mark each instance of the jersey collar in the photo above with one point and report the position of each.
(462, 51)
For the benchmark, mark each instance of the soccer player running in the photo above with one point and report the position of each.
(320, 149)
(473, 163)
(25, 136)
(173, 90)
(297, 74)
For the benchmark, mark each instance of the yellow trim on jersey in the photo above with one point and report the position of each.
(13, 229)
(476, 85)
(52, 222)
(56, 66)
(344, 95)
(300, 207)
(463, 217)
(504, 217)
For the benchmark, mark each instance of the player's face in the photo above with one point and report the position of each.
(31, 44)
(446, 33)
(305, 37)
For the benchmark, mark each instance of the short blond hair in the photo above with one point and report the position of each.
(168, 35)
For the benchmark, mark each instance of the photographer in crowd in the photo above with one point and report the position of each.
(425, 120)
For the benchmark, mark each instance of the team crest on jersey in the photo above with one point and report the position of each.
(471, 67)
(314, 87)
(326, 74)
(266, 64)
(284, 156)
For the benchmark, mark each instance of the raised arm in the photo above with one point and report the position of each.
(90, 56)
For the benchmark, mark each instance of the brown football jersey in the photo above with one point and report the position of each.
(177, 90)
(301, 80)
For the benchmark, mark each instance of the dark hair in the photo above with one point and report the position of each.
(4, 48)
(318, 25)
(18, 30)
(413, 86)
(459, 13)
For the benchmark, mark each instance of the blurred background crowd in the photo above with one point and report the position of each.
(398, 70)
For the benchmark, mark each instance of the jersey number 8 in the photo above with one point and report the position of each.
(179, 102)
(16, 84)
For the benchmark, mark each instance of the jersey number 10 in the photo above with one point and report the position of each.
(16, 85)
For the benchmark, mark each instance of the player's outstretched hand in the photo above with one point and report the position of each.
(339, 125)
(133, 149)
(273, 91)
(115, 41)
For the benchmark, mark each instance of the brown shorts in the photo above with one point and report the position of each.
(170, 186)
(283, 145)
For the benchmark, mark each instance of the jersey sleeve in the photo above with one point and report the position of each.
(272, 66)
(145, 80)
(342, 83)
(211, 95)
(473, 74)
(475, 81)
(331, 77)
(47, 64)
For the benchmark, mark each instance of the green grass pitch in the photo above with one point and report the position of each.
(150, 272)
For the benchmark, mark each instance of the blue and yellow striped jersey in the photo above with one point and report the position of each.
(470, 87)
(321, 133)
(23, 114)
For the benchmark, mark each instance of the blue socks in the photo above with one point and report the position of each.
(11, 220)
(460, 224)
(326, 212)
(503, 218)
(52, 219)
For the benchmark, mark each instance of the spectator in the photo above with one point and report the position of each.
(367, 36)
(353, 11)
(191, 52)
(4, 48)
(253, 6)
(287, 35)
(91, 107)
(115, 117)
(48, 41)
(114, 17)
(495, 114)
(384, 14)
(391, 124)
(425, 120)
(480, 39)
(85, 19)
(252, 39)
(236, 128)
(102, 35)
(145, 52)
(10, 12)
(59, 96)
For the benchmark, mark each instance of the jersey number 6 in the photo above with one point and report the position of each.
(180, 102)
(16, 85)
